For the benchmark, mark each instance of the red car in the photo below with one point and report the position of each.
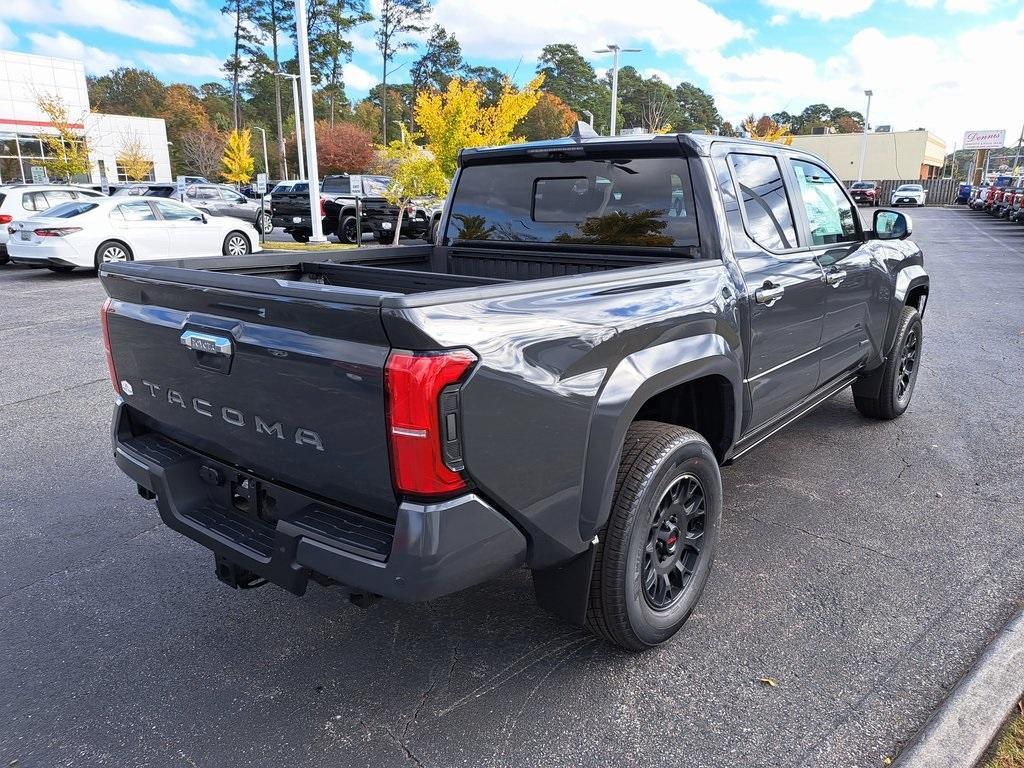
(866, 192)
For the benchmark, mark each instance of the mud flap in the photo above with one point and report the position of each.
(564, 590)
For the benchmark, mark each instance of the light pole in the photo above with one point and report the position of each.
(864, 138)
(298, 122)
(310, 129)
(615, 50)
(266, 161)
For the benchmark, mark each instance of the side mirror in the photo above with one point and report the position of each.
(892, 225)
(203, 217)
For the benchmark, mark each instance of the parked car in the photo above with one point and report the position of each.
(144, 189)
(555, 384)
(20, 200)
(88, 233)
(249, 190)
(222, 200)
(866, 192)
(909, 194)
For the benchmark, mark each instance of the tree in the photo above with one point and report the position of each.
(765, 129)
(397, 19)
(133, 160)
(271, 17)
(491, 79)
(457, 118)
(332, 49)
(202, 151)
(217, 103)
(238, 163)
(571, 78)
(67, 154)
(367, 116)
(127, 91)
(244, 44)
(550, 118)
(696, 109)
(414, 172)
(440, 62)
(343, 148)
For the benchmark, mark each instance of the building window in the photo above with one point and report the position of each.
(122, 175)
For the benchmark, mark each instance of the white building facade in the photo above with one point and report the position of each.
(23, 79)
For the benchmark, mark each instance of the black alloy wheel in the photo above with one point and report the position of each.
(674, 542)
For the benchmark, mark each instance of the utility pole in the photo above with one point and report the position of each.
(307, 107)
(298, 121)
(266, 160)
(1016, 157)
(614, 49)
(864, 138)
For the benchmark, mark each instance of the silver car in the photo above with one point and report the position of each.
(222, 200)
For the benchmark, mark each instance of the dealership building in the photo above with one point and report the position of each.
(888, 156)
(24, 79)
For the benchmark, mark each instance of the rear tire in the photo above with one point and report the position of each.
(113, 252)
(264, 224)
(654, 556)
(347, 231)
(300, 236)
(899, 374)
(4, 258)
(236, 244)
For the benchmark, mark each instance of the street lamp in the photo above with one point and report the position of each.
(615, 50)
(266, 161)
(864, 138)
(298, 121)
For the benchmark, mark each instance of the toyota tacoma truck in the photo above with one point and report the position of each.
(554, 384)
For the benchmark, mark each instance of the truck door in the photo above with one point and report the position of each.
(784, 286)
(856, 297)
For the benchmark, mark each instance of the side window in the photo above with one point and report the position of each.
(34, 201)
(229, 196)
(174, 212)
(769, 218)
(831, 217)
(139, 211)
(57, 196)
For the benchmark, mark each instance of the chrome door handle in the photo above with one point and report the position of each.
(769, 294)
(835, 277)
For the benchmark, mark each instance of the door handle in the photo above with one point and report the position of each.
(769, 293)
(835, 277)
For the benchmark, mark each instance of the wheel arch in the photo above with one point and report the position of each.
(108, 241)
(661, 383)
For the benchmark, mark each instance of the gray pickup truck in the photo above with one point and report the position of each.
(601, 325)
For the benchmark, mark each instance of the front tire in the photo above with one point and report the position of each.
(898, 376)
(236, 244)
(654, 556)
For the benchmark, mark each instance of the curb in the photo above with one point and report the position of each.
(960, 732)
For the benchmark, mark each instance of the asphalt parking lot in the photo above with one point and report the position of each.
(863, 568)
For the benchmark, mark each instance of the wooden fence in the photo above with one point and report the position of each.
(940, 191)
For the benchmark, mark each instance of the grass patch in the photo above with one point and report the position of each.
(293, 246)
(1009, 751)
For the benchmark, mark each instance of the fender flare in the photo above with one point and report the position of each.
(907, 279)
(633, 382)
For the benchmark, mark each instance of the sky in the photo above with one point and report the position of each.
(929, 63)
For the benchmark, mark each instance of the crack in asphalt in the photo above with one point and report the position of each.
(63, 391)
(833, 540)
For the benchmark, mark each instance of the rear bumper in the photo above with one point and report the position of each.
(431, 549)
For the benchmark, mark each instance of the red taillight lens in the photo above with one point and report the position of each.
(419, 388)
(323, 209)
(6, 218)
(56, 232)
(105, 313)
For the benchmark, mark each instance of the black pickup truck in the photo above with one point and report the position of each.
(601, 325)
(338, 210)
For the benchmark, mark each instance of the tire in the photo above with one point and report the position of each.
(300, 236)
(236, 244)
(899, 374)
(113, 251)
(434, 226)
(645, 584)
(62, 269)
(4, 258)
(264, 224)
(347, 229)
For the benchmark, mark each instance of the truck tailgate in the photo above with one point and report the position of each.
(284, 386)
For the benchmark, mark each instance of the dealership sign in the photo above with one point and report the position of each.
(984, 139)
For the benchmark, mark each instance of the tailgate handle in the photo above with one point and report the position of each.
(206, 342)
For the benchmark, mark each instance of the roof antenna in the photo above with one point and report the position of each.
(582, 130)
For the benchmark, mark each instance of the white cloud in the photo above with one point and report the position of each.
(823, 10)
(7, 37)
(778, 19)
(511, 30)
(921, 3)
(97, 62)
(661, 74)
(123, 17)
(358, 79)
(183, 64)
(191, 7)
(973, 6)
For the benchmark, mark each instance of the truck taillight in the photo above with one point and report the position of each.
(6, 218)
(105, 313)
(424, 423)
(323, 210)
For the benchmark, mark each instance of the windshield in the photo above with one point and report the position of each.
(66, 210)
(614, 202)
(375, 186)
(909, 188)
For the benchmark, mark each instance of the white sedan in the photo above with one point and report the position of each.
(87, 233)
(908, 194)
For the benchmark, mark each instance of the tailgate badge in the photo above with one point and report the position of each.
(206, 342)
